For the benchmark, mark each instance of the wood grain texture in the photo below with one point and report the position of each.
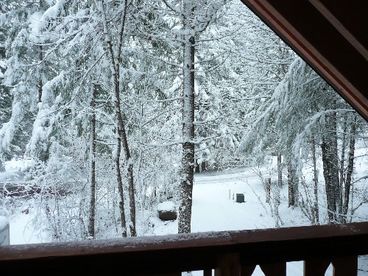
(186, 252)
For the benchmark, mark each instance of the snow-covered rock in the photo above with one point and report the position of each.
(167, 211)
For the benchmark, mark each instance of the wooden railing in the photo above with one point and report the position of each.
(226, 253)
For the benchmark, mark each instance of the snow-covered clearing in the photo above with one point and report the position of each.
(214, 209)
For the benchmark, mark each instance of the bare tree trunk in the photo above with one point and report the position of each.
(188, 163)
(122, 141)
(120, 186)
(293, 183)
(131, 189)
(279, 169)
(119, 133)
(331, 166)
(342, 169)
(350, 169)
(43, 6)
(276, 200)
(268, 190)
(40, 82)
(92, 201)
(204, 166)
(315, 181)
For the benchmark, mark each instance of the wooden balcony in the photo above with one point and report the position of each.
(224, 253)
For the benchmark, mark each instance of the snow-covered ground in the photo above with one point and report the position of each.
(14, 170)
(23, 230)
(214, 209)
(22, 217)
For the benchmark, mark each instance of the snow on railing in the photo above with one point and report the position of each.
(227, 253)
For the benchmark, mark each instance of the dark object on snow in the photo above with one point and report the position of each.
(240, 198)
(18, 189)
(167, 211)
(25, 189)
(167, 215)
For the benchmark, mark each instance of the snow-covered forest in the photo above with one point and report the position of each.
(115, 106)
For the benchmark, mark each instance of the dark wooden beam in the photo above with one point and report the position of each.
(348, 18)
(170, 254)
(334, 45)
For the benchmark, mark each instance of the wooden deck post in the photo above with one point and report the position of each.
(274, 269)
(345, 266)
(228, 265)
(316, 267)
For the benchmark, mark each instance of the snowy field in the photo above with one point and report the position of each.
(214, 209)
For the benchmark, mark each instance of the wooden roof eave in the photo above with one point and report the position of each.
(330, 36)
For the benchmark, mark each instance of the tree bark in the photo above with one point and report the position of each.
(315, 181)
(122, 145)
(120, 129)
(40, 82)
(349, 170)
(187, 162)
(268, 190)
(331, 165)
(92, 201)
(293, 184)
(132, 205)
(342, 167)
(279, 169)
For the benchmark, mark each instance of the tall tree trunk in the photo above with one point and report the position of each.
(331, 165)
(187, 163)
(268, 190)
(40, 82)
(131, 189)
(315, 181)
(119, 181)
(92, 201)
(122, 145)
(349, 170)
(43, 6)
(342, 167)
(293, 183)
(279, 169)
(119, 133)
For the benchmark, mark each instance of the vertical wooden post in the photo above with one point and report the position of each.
(228, 265)
(274, 269)
(207, 272)
(315, 267)
(345, 266)
(247, 270)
